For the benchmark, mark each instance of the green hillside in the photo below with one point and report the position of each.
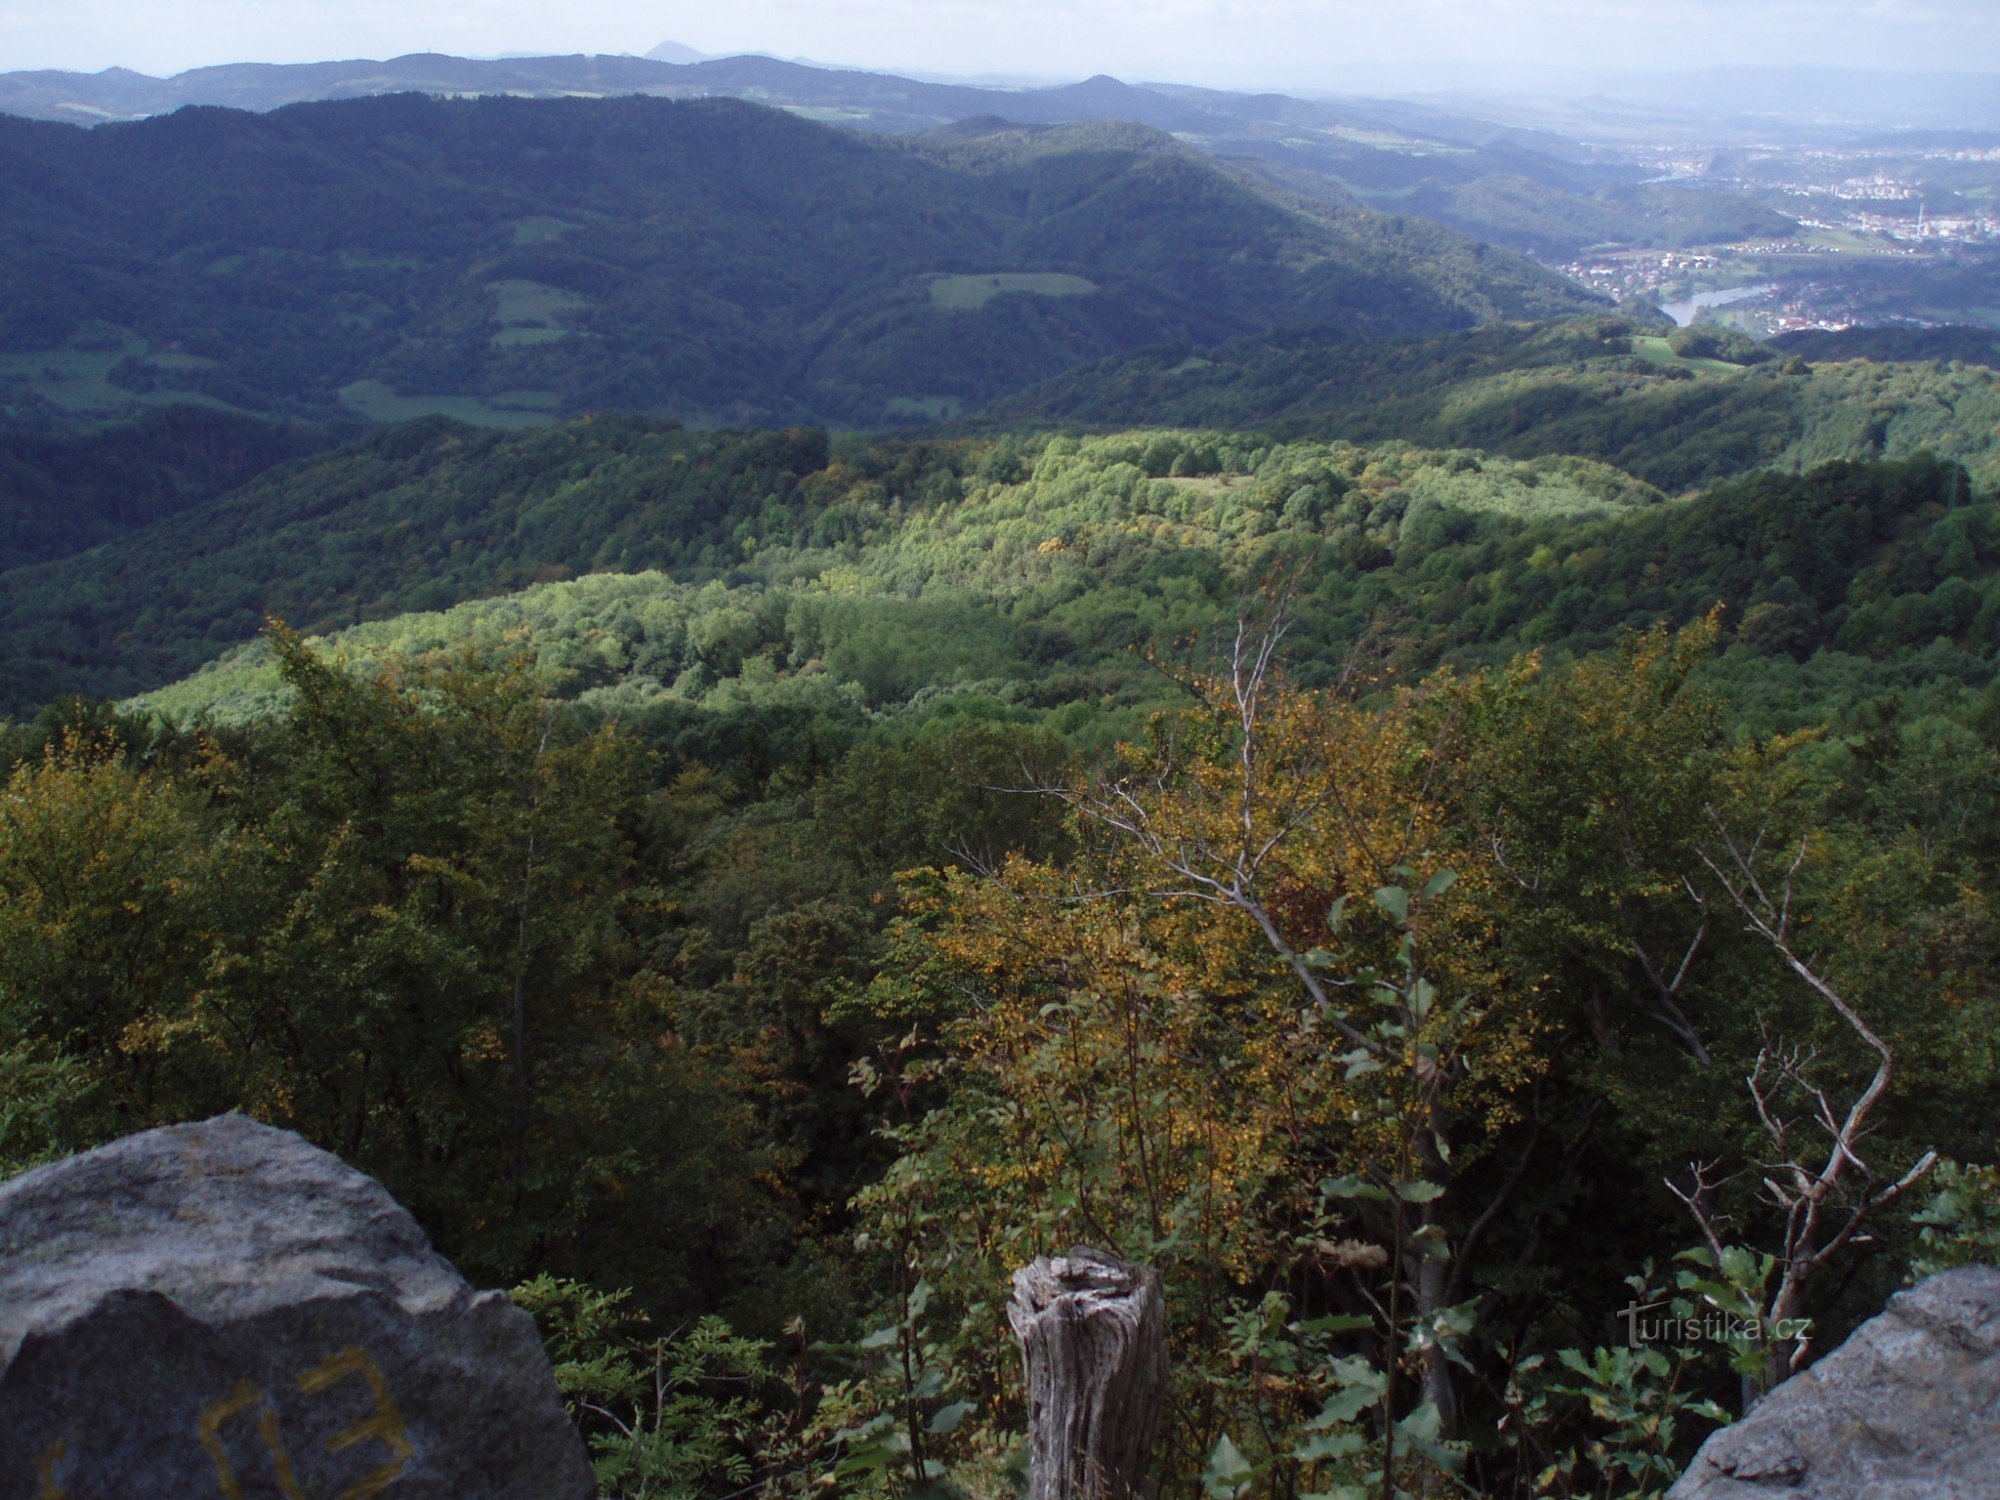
(508, 260)
(414, 517)
(1021, 571)
(1851, 585)
(1601, 387)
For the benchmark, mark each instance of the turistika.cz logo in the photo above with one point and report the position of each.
(1658, 1323)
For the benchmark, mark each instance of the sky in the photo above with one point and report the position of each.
(1290, 44)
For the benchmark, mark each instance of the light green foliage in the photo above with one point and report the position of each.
(1735, 1284)
(868, 599)
(1960, 1226)
(674, 1418)
(42, 1092)
(561, 891)
(1640, 1406)
(704, 1412)
(1337, 1451)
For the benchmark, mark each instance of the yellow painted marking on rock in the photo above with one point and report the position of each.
(384, 1425)
(46, 1470)
(245, 1396)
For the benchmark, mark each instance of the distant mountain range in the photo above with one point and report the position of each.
(1525, 188)
(1745, 102)
(510, 260)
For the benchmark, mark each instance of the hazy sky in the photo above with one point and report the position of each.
(1237, 43)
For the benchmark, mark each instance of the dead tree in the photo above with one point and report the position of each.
(1093, 1332)
(1826, 1194)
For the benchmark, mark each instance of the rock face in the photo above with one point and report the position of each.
(1906, 1409)
(224, 1310)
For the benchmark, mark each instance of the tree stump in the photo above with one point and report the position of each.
(1093, 1332)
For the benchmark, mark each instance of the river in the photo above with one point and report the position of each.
(1686, 312)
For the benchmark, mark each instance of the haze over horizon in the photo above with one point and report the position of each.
(1288, 44)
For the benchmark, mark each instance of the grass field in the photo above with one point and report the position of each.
(78, 380)
(527, 311)
(1656, 351)
(540, 229)
(367, 260)
(513, 338)
(926, 408)
(1388, 140)
(829, 114)
(970, 293)
(379, 403)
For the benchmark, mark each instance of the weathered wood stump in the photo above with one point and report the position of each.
(1093, 1332)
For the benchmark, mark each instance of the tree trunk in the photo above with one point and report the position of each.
(1093, 1332)
(1440, 1388)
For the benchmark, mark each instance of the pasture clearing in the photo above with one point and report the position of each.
(527, 311)
(78, 381)
(970, 293)
(1655, 350)
(925, 408)
(540, 230)
(381, 403)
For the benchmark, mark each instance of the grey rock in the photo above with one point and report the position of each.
(224, 1310)
(1906, 1409)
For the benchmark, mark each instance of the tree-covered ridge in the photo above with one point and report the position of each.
(1524, 189)
(841, 854)
(1975, 346)
(1605, 388)
(433, 513)
(1048, 595)
(707, 258)
(412, 517)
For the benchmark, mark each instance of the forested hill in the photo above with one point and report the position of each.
(67, 492)
(1523, 188)
(1030, 561)
(1048, 580)
(1678, 409)
(510, 259)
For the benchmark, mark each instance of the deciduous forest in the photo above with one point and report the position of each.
(1358, 881)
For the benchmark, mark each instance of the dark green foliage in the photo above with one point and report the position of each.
(408, 922)
(1529, 190)
(563, 893)
(1976, 346)
(62, 494)
(1557, 221)
(573, 911)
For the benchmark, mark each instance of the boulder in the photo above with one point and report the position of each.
(1906, 1409)
(224, 1310)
